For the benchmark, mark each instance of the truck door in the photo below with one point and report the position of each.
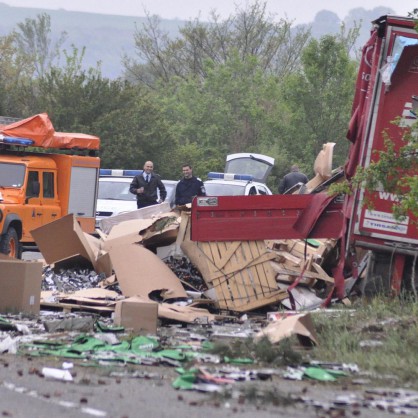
(32, 212)
(50, 205)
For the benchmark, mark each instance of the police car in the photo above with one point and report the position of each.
(245, 174)
(113, 196)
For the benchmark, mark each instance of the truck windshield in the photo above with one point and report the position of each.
(12, 175)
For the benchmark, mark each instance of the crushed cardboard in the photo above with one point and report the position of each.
(185, 314)
(62, 239)
(140, 272)
(300, 325)
(106, 224)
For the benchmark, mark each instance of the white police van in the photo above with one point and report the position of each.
(245, 174)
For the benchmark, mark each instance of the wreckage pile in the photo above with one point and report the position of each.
(145, 259)
(148, 258)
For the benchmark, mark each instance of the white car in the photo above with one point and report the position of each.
(245, 174)
(114, 198)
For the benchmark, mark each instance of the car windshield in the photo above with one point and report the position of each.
(224, 189)
(115, 190)
(12, 175)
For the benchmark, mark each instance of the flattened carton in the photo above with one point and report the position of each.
(20, 286)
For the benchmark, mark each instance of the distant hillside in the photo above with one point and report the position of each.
(108, 37)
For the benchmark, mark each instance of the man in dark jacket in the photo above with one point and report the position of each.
(188, 187)
(145, 186)
(291, 179)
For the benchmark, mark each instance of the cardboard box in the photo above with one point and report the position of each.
(63, 239)
(20, 286)
(138, 314)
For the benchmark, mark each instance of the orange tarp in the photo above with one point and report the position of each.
(68, 140)
(39, 129)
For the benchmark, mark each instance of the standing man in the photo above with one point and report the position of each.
(188, 187)
(291, 179)
(145, 186)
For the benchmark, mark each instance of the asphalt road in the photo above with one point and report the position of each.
(24, 393)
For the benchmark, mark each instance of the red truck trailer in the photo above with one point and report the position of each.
(386, 84)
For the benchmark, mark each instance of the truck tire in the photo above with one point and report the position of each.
(10, 245)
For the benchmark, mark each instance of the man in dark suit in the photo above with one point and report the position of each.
(145, 186)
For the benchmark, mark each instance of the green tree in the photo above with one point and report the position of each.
(75, 98)
(251, 32)
(320, 98)
(33, 40)
(394, 170)
(134, 132)
(15, 75)
(234, 109)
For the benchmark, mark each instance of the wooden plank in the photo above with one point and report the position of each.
(183, 232)
(221, 292)
(274, 297)
(233, 285)
(245, 281)
(267, 272)
(289, 257)
(230, 248)
(256, 274)
(229, 270)
(321, 273)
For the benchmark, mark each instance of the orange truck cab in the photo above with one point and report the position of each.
(37, 188)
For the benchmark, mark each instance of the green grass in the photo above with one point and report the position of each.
(392, 322)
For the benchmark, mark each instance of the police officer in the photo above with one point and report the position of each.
(188, 187)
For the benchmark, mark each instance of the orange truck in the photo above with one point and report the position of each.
(44, 175)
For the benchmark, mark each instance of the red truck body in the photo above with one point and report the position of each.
(387, 81)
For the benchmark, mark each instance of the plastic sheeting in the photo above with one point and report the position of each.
(39, 129)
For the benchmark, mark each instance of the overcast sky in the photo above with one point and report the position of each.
(301, 11)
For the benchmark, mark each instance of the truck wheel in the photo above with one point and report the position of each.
(10, 245)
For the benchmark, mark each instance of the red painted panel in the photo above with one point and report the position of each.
(238, 218)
